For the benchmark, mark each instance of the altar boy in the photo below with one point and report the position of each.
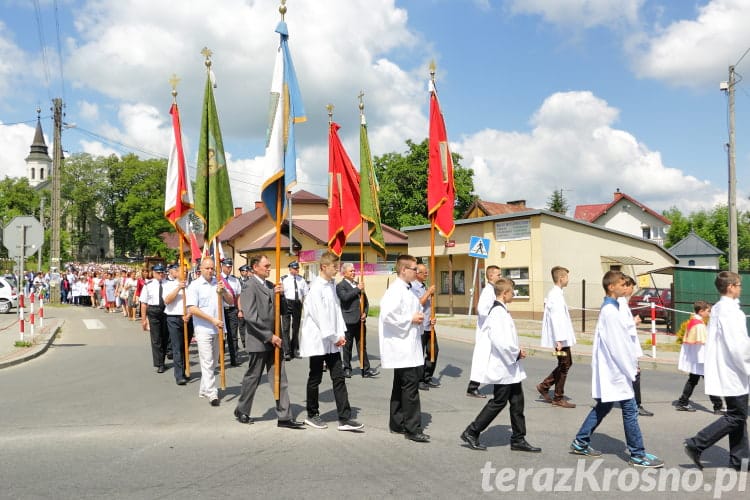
(614, 365)
(727, 374)
(498, 358)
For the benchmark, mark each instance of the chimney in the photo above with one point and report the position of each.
(258, 204)
(518, 203)
(618, 194)
(237, 211)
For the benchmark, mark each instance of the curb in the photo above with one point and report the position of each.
(37, 352)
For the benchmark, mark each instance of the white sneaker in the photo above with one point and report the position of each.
(316, 422)
(350, 425)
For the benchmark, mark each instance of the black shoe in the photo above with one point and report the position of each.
(290, 424)
(242, 418)
(418, 438)
(395, 431)
(432, 382)
(348, 372)
(644, 412)
(472, 441)
(474, 393)
(423, 387)
(524, 446)
(214, 402)
(287, 357)
(695, 455)
(169, 355)
(369, 373)
(296, 354)
(235, 364)
(182, 381)
(161, 369)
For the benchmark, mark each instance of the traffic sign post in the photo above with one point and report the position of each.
(479, 248)
(24, 235)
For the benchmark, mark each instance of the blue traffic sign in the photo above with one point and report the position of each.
(479, 247)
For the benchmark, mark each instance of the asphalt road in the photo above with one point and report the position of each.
(91, 419)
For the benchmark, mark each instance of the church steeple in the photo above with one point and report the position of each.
(38, 162)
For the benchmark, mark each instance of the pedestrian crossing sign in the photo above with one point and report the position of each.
(479, 247)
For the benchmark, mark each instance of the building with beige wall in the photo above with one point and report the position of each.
(526, 245)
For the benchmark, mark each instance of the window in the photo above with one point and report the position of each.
(32, 173)
(691, 263)
(646, 232)
(459, 285)
(41, 173)
(520, 275)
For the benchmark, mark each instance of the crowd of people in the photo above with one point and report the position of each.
(324, 319)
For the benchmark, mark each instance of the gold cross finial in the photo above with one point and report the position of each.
(361, 101)
(432, 70)
(207, 53)
(282, 9)
(330, 107)
(173, 81)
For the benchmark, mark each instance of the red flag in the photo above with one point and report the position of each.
(343, 193)
(195, 249)
(178, 199)
(441, 192)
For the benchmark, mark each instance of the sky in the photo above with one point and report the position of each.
(587, 96)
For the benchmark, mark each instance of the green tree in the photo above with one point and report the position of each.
(17, 198)
(403, 185)
(557, 203)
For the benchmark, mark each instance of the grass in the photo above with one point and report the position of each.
(23, 343)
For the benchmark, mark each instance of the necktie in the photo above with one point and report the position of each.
(161, 297)
(296, 290)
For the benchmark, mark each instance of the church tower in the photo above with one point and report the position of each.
(38, 163)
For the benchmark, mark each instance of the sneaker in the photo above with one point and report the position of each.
(720, 411)
(647, 461)
(584, 449)
(686, 407)
(644, 412)
(350, 425)
(316, 422)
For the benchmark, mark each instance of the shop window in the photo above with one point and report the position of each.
(459, 283)
(520, 276)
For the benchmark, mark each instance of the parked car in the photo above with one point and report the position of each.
(8, 296)
(640, 304)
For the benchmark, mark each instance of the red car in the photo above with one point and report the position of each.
(640, 304)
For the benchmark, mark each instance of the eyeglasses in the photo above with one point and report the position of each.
(411, 268)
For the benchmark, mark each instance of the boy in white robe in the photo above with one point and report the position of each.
(614, 365)
(499, 356)
(322, 335)
(557, 333)
(727, 374)
(486, 299)
(632, 322)
(692, 355)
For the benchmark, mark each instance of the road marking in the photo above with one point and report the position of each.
(94, 324)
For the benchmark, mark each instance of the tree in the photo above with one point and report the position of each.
(557, 202)
(403, 185)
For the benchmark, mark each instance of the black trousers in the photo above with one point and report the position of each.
(177, 340)
(429, 366)
(232, 322)
(687, 391)
(291, 320)
(502, 395)
(333, 362)
(559, 374)
(637, 387)
(352, 336)
(406, 411)
(733, 424)
(157, 322)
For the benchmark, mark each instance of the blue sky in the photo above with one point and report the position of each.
(584, 95)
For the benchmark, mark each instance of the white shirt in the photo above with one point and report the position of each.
(484, 304)
(175, 307)
(556, 323)
(203, 294)
(400, 338)
(629, 321)
(288, 281)
(419, 289)
(150, 293)
(322, 321)
(613, 361)
(498, 348)
(236, 286)
(727, 355)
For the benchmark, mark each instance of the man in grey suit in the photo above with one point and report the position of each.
(349, 293)
(257, 305)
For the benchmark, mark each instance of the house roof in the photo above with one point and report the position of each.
(493, 208)
(590, 213)
(694, 245)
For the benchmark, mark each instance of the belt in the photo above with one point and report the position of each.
(230, 308)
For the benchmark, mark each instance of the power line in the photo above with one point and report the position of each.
(42, 44)
(59, 50)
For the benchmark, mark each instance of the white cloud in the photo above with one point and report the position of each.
(580, 13)
(88, 111)
(15, 141)
(13, 63)
(574, 146)
(695, 52)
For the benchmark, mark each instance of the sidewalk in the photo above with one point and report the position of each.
(43, 335)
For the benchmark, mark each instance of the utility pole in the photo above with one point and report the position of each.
(54, 254)
(732, 203)
(41, 247)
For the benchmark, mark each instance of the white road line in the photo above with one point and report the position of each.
(93, 324)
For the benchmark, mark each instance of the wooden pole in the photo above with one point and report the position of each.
(362, 295)
(186, 357)
(434, 302)
(276, 297)
(219, 296)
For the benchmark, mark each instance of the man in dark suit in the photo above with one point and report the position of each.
(349, 293)
(257, 304)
